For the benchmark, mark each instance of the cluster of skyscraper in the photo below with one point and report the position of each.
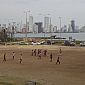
(40, 27)
(47, 27)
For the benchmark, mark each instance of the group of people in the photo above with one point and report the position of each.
(13, 56)
(39, 53)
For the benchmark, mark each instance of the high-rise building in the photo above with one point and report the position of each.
(82, 29)
(73, 25)
(0, 28)
(28, 27)
(55, 29)
(30, 24)
(69, 28)
(46, 24)
(9, 28)
(4, 26)
(40, 28)
(23, 29)
(35, 28)
(64, 28)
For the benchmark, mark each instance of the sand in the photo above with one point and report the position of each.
(71, 71)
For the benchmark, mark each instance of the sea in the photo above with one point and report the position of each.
(76, 36)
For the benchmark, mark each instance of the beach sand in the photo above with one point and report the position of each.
(71, 71)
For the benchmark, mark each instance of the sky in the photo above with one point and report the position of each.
(14, 10)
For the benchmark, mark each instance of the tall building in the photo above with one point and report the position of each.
(73, 25)
(9, 28)
(4, 26)
(30, 24)
(55, 29)
(69, 28)
(23, 29)
(64, 28)
(40, 28)
(35, 28)
(0, 28)
(46, 24)
(82, 29)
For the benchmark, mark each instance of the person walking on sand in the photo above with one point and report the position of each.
(38, 51)
(51, 57)
(58, 60)
(60, 50)
(35, 52)
(4, 57)
(45, 52)
(40, 55)
(13, 55)
(21, 58)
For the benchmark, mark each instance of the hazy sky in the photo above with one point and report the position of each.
(67, 9)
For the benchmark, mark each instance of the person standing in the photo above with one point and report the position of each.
(60, 50)
(51, 57)
(40, 54)
(13, 55)
(35, 52)
(4, 57)
(20, 58)
(58, 60)
(45, 52)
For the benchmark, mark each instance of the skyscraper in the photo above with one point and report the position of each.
(46, 24)
(35, 28)
(0, 28)
(55, 29)
(73, 25)
(9, 28)
(30, 24)
(40, 28)
(69, 28)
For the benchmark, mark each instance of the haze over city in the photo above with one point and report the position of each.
(67, 9)
(42, 42)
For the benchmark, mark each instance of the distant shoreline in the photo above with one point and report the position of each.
(76, 36)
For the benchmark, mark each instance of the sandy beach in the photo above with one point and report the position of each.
(71, 71)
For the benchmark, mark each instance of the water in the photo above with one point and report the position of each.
(77, 36)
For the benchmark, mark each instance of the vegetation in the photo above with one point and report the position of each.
(7, 80)
(4, 36)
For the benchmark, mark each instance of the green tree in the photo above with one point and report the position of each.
(4, 36)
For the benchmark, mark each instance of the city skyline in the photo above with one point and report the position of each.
(67, 9)
(40, 27)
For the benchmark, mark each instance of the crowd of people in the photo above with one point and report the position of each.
(38, 53)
